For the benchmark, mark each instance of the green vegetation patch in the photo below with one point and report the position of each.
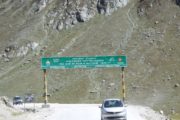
(16, 113)
(175, 117)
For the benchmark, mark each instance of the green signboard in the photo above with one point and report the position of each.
(83, 62)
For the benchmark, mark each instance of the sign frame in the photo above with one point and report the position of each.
(83, 62)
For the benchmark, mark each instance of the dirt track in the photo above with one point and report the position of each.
(74, 112)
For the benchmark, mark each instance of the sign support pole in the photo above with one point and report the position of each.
(45, 89)
(123, 85)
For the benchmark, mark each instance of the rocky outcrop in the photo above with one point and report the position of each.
(178, 2)
(38, 6)
(149, 7)
(5, 101)
(55, 14)
(68, 13)
(14, 50)
(108, 6)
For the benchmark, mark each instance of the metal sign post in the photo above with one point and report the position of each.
(45, 95)
(123, 84)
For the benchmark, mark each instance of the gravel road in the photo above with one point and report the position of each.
(75, 112)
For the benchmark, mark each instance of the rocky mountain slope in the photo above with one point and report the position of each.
(141, 29)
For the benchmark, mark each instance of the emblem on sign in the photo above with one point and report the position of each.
(119, 59)
(48, 63)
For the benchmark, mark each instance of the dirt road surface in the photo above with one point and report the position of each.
(74, 112)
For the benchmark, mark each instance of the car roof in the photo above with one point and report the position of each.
(112, 99)
(109, 99)
(17, 96)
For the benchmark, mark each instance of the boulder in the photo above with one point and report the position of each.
(161, 112)
(32, 45)
(60, 26)
(108, 6)
(22, 51)
(121, 3)
(178, 2)
(102, 6)
(6, 59)
(82, 15)
(38, 6)
(5, 100)
(176, 85)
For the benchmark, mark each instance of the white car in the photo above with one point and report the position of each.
(113, 109)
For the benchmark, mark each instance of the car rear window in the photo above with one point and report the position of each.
(16, 98)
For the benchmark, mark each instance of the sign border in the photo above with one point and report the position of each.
(83, 66)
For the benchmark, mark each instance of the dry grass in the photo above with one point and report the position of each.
(150, 59)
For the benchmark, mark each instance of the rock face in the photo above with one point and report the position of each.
(108, 6)
(148, 5)
(55, 14)
(18, 51)
(68, 13)
(5, 101)
(178, 2)
(38, 6)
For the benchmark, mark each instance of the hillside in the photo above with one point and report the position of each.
(147, 31)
